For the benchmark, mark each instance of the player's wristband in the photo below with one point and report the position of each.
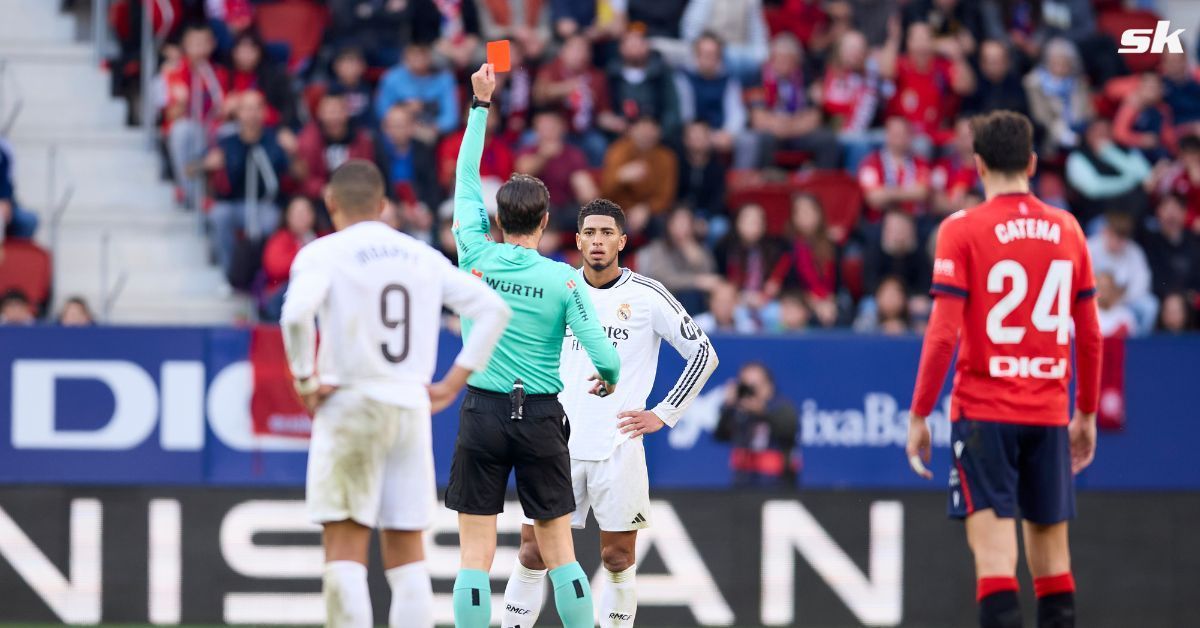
(307, 385)
(483, 104)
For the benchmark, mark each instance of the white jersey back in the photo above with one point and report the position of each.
(637, 313)
(378, 297)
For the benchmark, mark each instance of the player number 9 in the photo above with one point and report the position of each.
(394, 311)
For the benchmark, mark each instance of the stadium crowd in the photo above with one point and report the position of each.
(687, 113)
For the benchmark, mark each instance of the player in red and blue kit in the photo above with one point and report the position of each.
(1012, 275)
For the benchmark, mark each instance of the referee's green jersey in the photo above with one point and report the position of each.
(545, 296)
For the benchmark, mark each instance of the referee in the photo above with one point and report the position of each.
(511, 418)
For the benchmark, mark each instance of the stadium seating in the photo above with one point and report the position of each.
(26, 267)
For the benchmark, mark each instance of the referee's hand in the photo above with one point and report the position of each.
(638, 422)
(483, 82)
(601, 388)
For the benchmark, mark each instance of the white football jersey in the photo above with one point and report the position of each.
(378, 295)
(636, 313)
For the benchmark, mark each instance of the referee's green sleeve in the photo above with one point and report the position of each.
(585, 324)
(471, 224)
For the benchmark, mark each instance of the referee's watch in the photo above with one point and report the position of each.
(475, 102)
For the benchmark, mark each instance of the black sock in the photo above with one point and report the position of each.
(1056, 611)
(1000, 610)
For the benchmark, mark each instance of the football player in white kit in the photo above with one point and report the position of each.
(378, 294)
(608, 461)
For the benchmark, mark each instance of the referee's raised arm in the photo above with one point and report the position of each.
(471, 224)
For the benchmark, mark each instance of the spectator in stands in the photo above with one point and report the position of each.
(999, 85)
(640, 174)
(299, 228)
(452, 27)
(1172, 251)
(811, 264)
(1116, 317)
(328, 142)
(749, 257)
(888, 309)
(573, 17)
(1177, 315)
(1059, 97)
(929, 81)
(16, 310)
(561, 166)
(642, 85)
(252, 70)
(851, 91)
(809, 20)
(702, 176)
(195, 103)
(1031, 24)
(407, 162)
(1103, 176)
(246, 169)
(894, 177)
(1114, 251)
(427, 90)
(899, 253)
(709, 94)
(726, 313)
(380, 28)
(1184, 179)
(1144, 121)
(349, 81)
(76, 313)
(781, 114)
(740, 24)
(570, 83)
(957, 23)
(516, 108)
(761, 426)
(1181, 92)
(954, 180)
(660, 18)
(15, 221)
(680, 261)
(793, 315)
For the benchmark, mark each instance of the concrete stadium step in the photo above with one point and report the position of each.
(81, 249)
(48, 79)
(116, 137)
(194, 311)
(69, 116)
(33, 21)
(150, 285)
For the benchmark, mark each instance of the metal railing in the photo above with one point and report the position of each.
(55, 208)
(8, 120)
(109, 292)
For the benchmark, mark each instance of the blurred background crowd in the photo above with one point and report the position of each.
(783, 164)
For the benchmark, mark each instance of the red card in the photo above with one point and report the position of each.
(498, 55)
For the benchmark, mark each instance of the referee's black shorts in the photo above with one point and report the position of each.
(490, 444)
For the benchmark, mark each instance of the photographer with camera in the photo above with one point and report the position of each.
(761, 425)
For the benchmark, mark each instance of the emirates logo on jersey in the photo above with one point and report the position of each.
(624, 311)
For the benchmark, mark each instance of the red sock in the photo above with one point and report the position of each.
(994, 584)
(1050, 585)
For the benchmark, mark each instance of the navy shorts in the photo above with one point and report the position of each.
(1012, 469)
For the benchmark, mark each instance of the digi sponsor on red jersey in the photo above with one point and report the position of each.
(1021, 265)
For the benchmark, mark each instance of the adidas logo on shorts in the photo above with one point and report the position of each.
(638, 519)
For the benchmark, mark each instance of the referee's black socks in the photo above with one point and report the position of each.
(998, 603)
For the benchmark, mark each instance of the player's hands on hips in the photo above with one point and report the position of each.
(313, 400)
(1082, 432)
(444, 392)
(919, 447)
(638, 422)
(601, 388)
(484, 82)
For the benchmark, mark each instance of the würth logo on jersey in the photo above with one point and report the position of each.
(1156, 40)
(624, 311)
